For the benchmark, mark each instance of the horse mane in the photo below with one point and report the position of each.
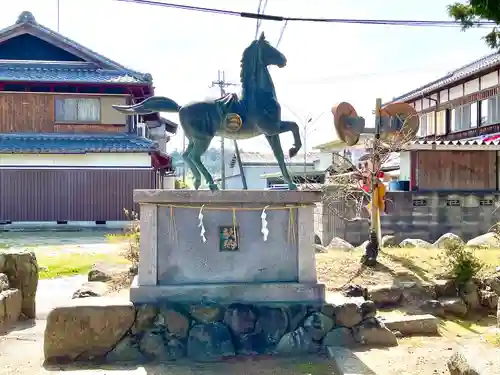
(248, 65)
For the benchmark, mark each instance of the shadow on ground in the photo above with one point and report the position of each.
(409, 264)
(258, 365)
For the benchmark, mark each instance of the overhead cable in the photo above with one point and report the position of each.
(269, 17)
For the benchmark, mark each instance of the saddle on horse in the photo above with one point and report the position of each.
(232, 111)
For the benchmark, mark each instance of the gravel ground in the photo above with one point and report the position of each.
(21, 351)
(426, 355)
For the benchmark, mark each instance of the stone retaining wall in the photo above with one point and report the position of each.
(21, 269)
(18, 283)
(10, 308)
(92, 329)
(423, 215)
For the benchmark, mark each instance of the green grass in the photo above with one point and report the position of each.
(70, 264)
(58, 253)
(493, 339)
(119, 237)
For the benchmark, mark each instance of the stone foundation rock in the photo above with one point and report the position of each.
(441, 298)
(92, 329)
(10, 308)
(86, 328)
(21, 269)
(413, 324)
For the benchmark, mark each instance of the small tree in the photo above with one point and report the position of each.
(461, 263)
(133, 234)
(345, 194)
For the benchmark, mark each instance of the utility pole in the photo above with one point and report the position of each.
(306, 128)
(184, 166)
(222, 84)
(58, 10)
(375, 211)
(306, 125)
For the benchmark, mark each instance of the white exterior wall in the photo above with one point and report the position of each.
(324, 161)
(404, 166)
(253, 174)
(125, 160)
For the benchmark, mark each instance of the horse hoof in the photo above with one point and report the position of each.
(292, 187)
(292, 152)
(196, 185)
(213, 187)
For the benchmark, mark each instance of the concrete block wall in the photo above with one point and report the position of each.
(318, 219)
(418, 215)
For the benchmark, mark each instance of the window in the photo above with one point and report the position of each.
(422, 131)
(435, 123)
(430, 123)
(461, 117)
(490, 111)
(473, 114)
(484, 113)
(85, 110)
(441, 123)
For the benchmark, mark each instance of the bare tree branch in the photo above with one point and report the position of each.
(343, 193)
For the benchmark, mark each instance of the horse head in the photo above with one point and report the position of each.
(268, 55)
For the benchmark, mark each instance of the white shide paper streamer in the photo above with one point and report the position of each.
(264, 230)
(201, 226)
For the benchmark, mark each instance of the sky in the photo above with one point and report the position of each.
(327, 63)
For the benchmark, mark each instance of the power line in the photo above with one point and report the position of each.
(329, 80)
(261, 10)
(264, 7)
(281, 34)
(257, 25)
(269, 17)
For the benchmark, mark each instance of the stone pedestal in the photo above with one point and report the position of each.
(178, 265)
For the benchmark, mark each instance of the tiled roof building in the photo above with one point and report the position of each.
(65, 153)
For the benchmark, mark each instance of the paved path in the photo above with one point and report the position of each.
(54, 292)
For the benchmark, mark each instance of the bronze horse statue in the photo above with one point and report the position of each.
(256, 112)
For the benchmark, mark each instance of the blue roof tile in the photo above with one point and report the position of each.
(103, 71)
(61, 143)
(42, 71)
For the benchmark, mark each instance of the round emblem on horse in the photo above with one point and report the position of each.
(233, 122)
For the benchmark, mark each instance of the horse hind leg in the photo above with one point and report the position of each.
(186, 155)
(275, 143)
(291, 126)
(199, 148)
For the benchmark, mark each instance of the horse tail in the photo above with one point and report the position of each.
(150, 105)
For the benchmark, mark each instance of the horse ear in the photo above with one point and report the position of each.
(262, 36)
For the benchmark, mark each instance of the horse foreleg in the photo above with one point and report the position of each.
(291, 126)
(275, 143)
(187, 159)
(199, 148)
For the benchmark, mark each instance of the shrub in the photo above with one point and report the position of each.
(179, 184)
(461, 262)
(132, 235)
